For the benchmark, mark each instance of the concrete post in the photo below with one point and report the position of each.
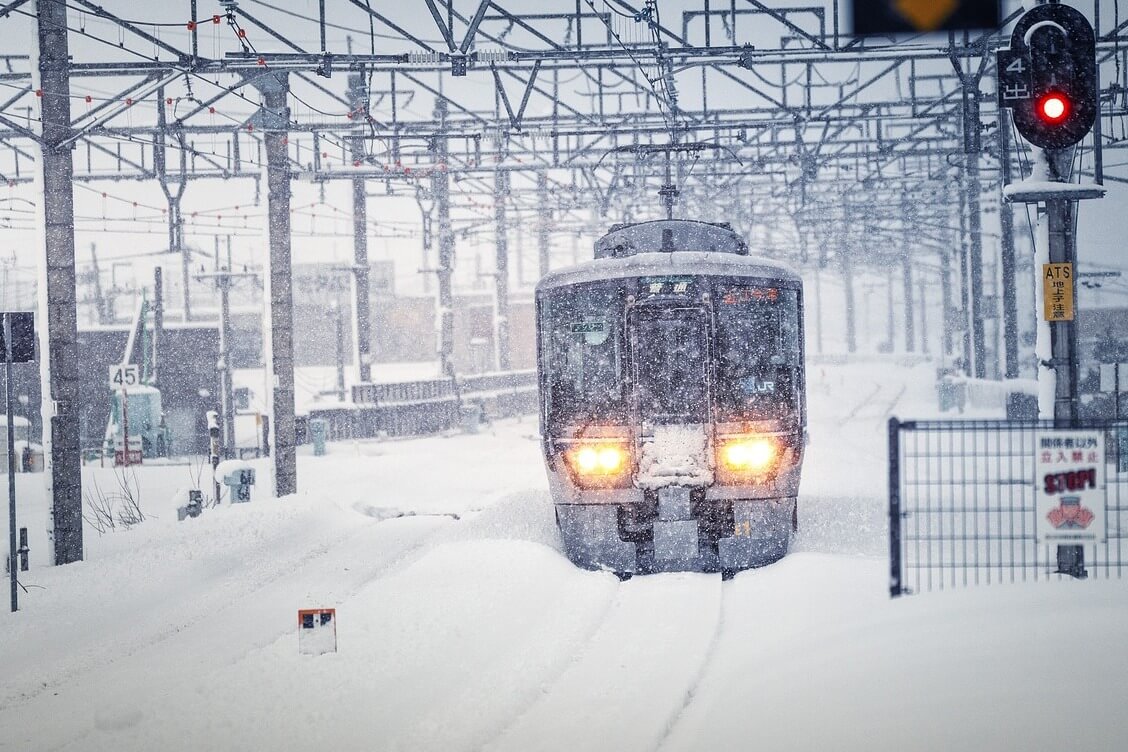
(543, 239)
(440, 186)
(58, 330)
(1009, 260)
(501, 268)
(358, 102)
(280, 333)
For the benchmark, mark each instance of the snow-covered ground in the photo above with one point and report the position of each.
(463, 627)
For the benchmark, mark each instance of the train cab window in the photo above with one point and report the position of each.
(670, 356)
(758, 351)
(583, 353)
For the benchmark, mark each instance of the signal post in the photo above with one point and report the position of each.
(1048, 78)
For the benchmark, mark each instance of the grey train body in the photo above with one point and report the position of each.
(673, 408)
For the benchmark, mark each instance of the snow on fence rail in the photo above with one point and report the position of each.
(417, 408)
(962, 500)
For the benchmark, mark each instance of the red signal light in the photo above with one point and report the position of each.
(1053, 108)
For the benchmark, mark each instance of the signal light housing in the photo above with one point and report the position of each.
(1048, 77)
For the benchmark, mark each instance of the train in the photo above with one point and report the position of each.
(672, 401)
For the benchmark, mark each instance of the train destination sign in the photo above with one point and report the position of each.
(901, 16)
(1069, 487)
(672, 285)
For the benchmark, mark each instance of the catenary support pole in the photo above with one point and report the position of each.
(543, 237)
(440, 187)
(851, 315)
(975, 261)
(965, 285)
(907, 273)
(226, 393)
(11, 460)
(358, 102)
(280, 333)
(501, 268)
(1009, 261)
(924, 346)
(58, 332)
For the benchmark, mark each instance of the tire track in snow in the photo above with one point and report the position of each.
(703, 670)
(634, 669)
(429, 734)
(208, 606)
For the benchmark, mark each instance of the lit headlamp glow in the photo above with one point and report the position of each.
(598, 459)
(752, 455)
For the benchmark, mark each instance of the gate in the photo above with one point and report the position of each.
(962, 499)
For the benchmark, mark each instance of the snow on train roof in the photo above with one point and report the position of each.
(678, 262)
(669, 235)
(679, 247)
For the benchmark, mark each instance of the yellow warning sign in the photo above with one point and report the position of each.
(926, 15)
(1057, 292)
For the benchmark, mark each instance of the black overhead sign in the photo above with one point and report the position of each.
(23, 337)
(914, 16)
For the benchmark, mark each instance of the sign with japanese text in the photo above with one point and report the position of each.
(1015, 83)
(1069, 487)
(1057, 292)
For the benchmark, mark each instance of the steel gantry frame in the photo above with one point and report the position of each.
(491, 110)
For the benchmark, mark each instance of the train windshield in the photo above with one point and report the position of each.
(758, 351)
(670, 357)
(582, 341)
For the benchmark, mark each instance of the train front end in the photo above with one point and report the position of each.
(672, 401)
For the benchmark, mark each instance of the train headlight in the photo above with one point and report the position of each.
(752, 455)
(594, 460)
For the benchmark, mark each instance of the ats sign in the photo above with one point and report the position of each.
(1069, 489)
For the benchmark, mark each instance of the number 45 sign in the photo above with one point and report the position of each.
(1069, 493)
(124, 376)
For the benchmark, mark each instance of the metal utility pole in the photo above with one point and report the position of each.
(11, 447)
(501, 268)
(440, 189)
(979, 343)
(543, 239)
(890, 328)
(280, 334)
(101, 304)
(173, 197)
(58, 338)
(358, 102)
(158, 323)
(848, 284)
(1009, 260)
(907, 273)
(340, 351)
(910, 312)
(818, 313)
(965, 285)
(946, 315)
(224, 278)
(923, 317)
(1063, 334)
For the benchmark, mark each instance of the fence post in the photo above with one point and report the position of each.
(895, 584)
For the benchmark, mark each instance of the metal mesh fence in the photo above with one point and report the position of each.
(962, 500)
